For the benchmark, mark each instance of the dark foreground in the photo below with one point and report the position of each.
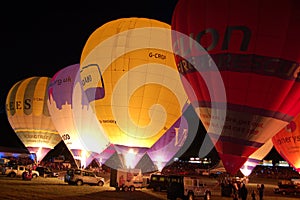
(56, 188)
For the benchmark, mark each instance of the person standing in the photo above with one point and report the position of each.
(235, 188)
(243, 191)
(261, 191)
(235, 197)
(253, 195)
(258, 189)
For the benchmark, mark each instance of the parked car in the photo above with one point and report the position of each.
(81, 176)
(287, 187)
(46, 172)
(18, 171)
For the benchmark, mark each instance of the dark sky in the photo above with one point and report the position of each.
(39, 39)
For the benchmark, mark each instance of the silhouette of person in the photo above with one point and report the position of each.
(261, 191)
(243, 191)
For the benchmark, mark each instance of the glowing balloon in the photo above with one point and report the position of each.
(28, 115)
(176, 139)
(73, 118)
(255, 158)
(106, 154)
(257, 52)
(129, 74)
(287, 143)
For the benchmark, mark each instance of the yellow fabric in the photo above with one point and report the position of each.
(143, 92)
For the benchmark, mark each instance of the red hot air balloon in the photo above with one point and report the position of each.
(255, 46)
(287, 143)
(255, 158)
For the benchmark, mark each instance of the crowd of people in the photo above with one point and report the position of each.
(274, 172)
(22, 160)
(32, 164)
(238, 190)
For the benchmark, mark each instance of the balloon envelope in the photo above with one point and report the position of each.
(175, 141)
(257, 55)
(287, 143)
(72, 116)
(28, 115)
(255, 158)
(129, 74)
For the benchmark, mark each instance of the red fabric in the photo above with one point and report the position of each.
(232, 163)
(256, 48)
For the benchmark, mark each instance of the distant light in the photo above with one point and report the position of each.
(283, 163)
(32, 156)
(129, 158)
(200, 160)
(16, 155)
(194, 161)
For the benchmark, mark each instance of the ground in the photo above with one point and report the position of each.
(56, 188)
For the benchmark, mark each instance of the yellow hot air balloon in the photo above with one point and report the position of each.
(130, 77)
(28, 115)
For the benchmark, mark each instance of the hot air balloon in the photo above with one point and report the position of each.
(255, 158)
(168, 147)
(28, 115)
(73, 118)
(287, 143)
(256, 52)
(129, 74)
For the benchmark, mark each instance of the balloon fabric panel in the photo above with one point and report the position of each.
(287, 143)
(29, 116)
(131, 61)
(256, 51)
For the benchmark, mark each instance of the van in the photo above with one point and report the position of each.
(195, 187)
(188, 188)
(128, 179)
(158, 182)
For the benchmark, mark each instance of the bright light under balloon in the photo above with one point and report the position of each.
(129, 158)
(255, 158)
